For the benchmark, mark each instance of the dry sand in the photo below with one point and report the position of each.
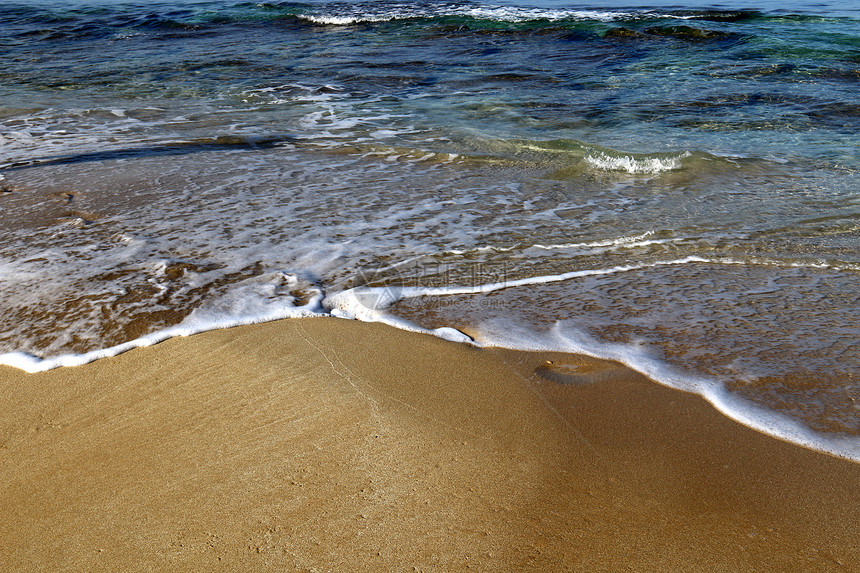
(328, 445)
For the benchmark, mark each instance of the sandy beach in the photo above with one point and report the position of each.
(329, 445)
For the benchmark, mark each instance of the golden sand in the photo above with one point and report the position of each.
(329, 445)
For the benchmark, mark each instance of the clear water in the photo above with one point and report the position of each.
(675, 186)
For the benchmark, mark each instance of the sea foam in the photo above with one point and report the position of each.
(259, 302)
(634, 165)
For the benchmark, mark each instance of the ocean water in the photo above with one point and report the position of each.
(674, 186)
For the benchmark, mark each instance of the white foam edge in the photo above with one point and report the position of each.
(637, 358)
(33, 364)
(352, 300)
(361, 303)
(353, 304)
(369, 303)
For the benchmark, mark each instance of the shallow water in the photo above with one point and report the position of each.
(673, 187)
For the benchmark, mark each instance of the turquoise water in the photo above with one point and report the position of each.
(673, 186)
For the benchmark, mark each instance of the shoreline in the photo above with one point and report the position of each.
(745, 412)
(343, 445)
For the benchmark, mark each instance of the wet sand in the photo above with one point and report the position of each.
(329, 445)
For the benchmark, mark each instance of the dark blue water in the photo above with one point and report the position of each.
(674, 185)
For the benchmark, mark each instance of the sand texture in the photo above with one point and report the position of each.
(329, 445)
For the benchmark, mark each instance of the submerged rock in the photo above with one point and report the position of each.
(623, 32)
(680, 32)
(690, 33)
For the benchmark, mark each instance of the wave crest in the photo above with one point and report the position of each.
(634, 165)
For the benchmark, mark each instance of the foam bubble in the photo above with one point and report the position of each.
(633, 165)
